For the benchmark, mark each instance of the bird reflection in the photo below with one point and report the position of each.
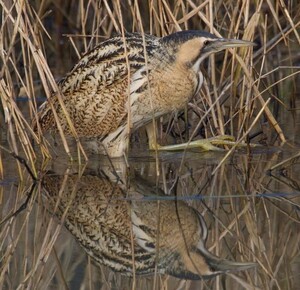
(121, 229)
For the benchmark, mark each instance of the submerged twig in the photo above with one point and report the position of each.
(288, 160)
(34, 183)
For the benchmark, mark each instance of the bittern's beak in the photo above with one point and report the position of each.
(223, 43)
(228, 43)
(224, 266)
(219, 266)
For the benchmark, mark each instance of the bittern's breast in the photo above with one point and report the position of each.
(176, 86)
(165, 90)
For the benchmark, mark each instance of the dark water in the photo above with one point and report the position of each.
(251, 214)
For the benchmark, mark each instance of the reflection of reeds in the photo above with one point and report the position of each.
(232, 87)
(242, 226)
(264, 224)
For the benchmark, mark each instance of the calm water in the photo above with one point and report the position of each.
(251, 216)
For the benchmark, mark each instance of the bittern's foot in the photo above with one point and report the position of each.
(204, 144)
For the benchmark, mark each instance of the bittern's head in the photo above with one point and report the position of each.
(196, 262)
(201, 264)
(192, 46)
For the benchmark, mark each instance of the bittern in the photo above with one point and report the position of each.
(134, 236)
(125, 82)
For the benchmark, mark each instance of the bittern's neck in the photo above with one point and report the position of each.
(196, 65)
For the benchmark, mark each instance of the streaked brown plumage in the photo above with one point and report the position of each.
(170, 235)
(100, 90)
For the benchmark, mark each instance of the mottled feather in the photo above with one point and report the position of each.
(143, 75)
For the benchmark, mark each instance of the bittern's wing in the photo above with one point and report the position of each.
(96, 90)
(98, 217)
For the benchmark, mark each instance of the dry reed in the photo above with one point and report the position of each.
(247, 94)
(35, 39)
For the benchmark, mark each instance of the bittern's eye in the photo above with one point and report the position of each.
(206, 42)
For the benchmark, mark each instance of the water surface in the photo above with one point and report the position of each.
(252, 215)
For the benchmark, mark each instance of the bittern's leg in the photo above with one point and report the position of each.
(151, 133)
(204, 144)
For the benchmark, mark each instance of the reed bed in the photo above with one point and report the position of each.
(250, 94)
(41, 41)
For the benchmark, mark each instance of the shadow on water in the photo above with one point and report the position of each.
(241, 214)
